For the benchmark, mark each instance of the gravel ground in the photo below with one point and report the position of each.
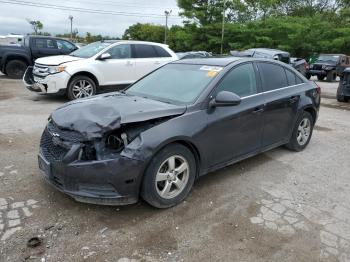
(277, 206)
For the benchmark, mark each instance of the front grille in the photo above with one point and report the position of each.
(317, 67)
(51, 152)
(40, 70)
(66, 135)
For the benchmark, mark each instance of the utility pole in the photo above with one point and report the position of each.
(223, 27)
(167, 13)
(71, 26)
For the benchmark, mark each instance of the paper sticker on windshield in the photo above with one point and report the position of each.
(212, 73)
(211, 68)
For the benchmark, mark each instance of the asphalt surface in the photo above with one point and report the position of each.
(277, 206)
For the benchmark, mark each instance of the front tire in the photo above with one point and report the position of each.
(169, 177)
(320, 77)
(81, 86)
(302, 132)
(15, 69)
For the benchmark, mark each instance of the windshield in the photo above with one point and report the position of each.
(328, 58)
(175, 83)
(90, 50)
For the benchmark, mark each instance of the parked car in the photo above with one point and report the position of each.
(14, 60)
(329, 66)
(193, 54)
(182, 121)
(99, 64)
(343, 91)
(298, 63)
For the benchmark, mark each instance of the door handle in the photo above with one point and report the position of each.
(157, 62)
(128, 63)
(258, 110)
(293, 99)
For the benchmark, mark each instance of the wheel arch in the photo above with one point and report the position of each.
(84, 73)
(312, 111)
(9, 58)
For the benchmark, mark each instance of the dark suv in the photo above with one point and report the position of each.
(329, 66)
(184, 120)
(343, 92)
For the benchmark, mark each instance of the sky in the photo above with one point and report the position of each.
(117, 15)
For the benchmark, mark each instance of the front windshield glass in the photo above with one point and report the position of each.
(175, 83)
(328, 58)
(90, 50)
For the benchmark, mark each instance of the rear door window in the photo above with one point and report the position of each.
(145, 51)
(41, 43)
(240, 80)
(273, 76)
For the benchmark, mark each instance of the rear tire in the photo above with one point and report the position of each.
(164, 184)
(302, 132)
(308, 76)
(15, 69)
(81, 86)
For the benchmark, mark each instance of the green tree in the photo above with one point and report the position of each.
(36, 25)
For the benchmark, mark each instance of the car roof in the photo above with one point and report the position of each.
(133, 42)
(213, 61)
(268, 51)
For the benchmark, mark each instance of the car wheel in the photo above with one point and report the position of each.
(15, 69)
(320, 77)
(302, 132)
(169, 177)
(308, 76)
(80, 87)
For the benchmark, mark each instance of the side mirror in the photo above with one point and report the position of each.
(105, 56)
(225, 98)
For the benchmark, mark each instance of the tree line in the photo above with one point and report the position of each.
(301, 27)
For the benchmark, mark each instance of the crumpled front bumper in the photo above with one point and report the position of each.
(106, 182)
(51, 84)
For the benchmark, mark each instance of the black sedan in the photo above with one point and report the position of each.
(182, 121)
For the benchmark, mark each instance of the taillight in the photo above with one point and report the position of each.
(318, 88)
(306, 66)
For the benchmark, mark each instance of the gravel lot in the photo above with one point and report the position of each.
(277, 206)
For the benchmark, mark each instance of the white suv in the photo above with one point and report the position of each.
(103, 63)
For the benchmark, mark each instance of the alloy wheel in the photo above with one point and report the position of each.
(304, 131)
(82, 88)
(172, 177)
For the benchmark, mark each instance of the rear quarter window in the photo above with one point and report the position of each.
(291, 77)
(161, 52)
(273, 76)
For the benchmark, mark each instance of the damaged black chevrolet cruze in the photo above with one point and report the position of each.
(182, 121)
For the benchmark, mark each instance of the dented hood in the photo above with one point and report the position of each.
(57, 60)
(93, 117)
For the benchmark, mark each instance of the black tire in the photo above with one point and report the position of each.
(149, 192)
(308, 76)
(293, 142)
(340, 97)
(320, 77)
(15, 69)
(331, 76)
(71, 93)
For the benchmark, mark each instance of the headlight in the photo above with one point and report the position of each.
(311, 66)
(56, 69)
(328, 68)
